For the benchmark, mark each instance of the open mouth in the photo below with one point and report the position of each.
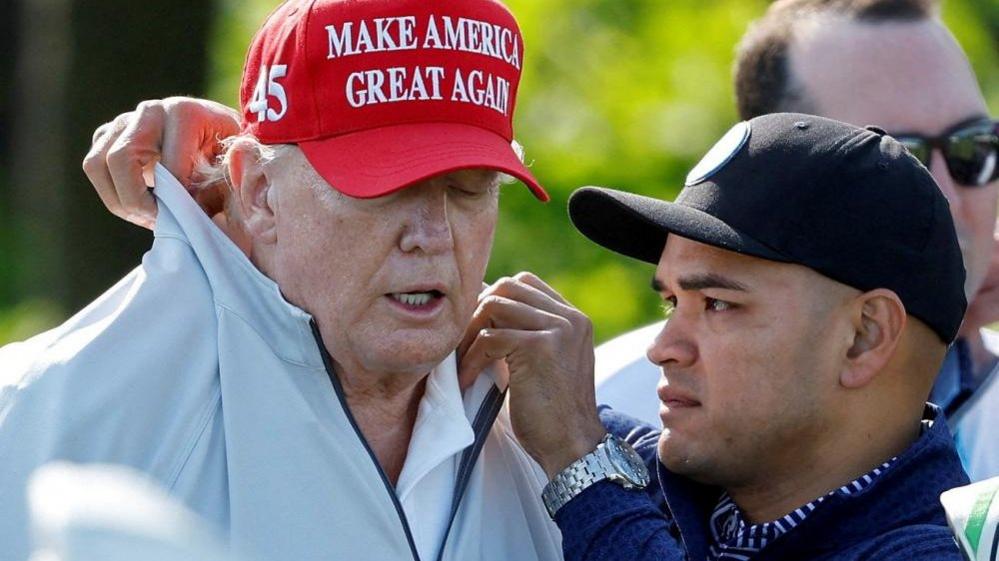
(417, 301)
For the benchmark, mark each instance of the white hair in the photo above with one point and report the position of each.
(215, 174)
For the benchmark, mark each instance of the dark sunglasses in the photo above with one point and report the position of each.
(971, 150)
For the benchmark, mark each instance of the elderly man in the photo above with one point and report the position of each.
(891, 63)
(813, 280)
(299, 388)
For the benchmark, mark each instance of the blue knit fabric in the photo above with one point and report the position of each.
(734, 539)
(898, 518)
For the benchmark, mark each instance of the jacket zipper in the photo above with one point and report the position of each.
(338, 389)
(483, 422)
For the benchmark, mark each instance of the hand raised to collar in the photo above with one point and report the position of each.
(547, 346)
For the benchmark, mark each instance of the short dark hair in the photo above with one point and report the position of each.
(763, 83)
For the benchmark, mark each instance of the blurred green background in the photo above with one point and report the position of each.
(621, 93)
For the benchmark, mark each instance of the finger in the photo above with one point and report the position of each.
(518, 290)
(535, 281)
(471, 333)
(499, 368)
(497, 311)
(474, 325)
(489, 345)
(182, 147)
(137, 147)
(96, 169)
(513, 289)
(501, 374)
(99, 132)
(192, 135)
(95, 165)
(113, 127)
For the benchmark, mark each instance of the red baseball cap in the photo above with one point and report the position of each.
(381, 94)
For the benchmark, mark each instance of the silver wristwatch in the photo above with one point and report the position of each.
(614, 459)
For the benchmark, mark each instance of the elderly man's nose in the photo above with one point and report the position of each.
(428, 227)
(672, 346)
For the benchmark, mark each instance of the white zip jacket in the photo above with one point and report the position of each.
(195, 370)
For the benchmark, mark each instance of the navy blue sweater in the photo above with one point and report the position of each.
(899, 517)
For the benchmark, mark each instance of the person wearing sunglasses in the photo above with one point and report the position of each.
(891, 63)
(970, 151)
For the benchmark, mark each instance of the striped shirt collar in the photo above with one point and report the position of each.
(733, 539)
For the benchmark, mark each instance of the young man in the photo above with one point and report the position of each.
(814, 280)
(894, 64)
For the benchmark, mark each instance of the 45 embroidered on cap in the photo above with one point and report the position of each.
(380, 94)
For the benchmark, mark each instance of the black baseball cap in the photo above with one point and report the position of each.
(850, 203)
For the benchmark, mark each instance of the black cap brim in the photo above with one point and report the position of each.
(637, 226)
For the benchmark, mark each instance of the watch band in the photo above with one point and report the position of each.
(579, 475)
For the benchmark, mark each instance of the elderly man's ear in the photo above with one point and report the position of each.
(878, 320)
(254, 198)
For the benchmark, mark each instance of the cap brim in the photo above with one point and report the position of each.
(376, 162)
(638, 226)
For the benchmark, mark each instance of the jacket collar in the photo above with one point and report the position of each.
(927, 468)
(237, 285)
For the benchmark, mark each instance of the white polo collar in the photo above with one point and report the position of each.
(442, 428)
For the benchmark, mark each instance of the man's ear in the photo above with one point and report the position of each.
(252, 186)
(878, 320)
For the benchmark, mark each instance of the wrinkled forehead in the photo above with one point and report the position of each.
(901, 76)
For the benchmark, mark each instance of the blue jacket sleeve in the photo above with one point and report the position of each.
(607, 522)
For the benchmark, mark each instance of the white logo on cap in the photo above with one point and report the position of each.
(482, 87)
(267, 87)
(720, 154)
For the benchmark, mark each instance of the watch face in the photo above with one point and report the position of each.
(628, 463)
